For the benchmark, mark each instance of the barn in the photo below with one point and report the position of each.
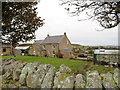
(106, 56)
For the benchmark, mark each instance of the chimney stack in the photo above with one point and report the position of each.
(48, 35)
(65, 33)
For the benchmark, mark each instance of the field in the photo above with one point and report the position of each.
(75, 65)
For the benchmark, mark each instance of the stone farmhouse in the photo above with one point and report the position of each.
(52, 46)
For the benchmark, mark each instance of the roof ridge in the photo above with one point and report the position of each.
(53, 39)
(38, 40)
(56, 35)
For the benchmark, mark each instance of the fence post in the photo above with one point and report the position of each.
(95, 59)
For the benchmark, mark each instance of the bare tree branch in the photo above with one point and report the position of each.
(106, 13)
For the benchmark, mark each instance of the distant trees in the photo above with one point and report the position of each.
(19, 21)
(106, 13)
(91, 52)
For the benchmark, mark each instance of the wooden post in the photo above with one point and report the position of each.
(95, 59)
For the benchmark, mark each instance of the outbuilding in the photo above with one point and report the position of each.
(107, 56)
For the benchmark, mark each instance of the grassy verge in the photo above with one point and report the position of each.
(75, 65)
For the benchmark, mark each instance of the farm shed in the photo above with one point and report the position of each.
(109, 56)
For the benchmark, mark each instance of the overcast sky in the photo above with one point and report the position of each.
(57, 21)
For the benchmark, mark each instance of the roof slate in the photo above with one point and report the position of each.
(53, 39)
(38, 42)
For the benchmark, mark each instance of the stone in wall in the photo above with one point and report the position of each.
(37, 77)
(8, 75)
(61, 75)
(68, 82)
(93, 80)
(108, 81)
(64, 69)
(12, 68)
(30, 75)
(28, 69)
(57, 80)
(0, 81)
(80, 81)
(17, 70)
(49, 77)
(24, 72)
(1, 69)
(8, 65)
(116, 76)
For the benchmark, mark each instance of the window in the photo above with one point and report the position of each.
(53, 46)
(4, 49)
(53, 52)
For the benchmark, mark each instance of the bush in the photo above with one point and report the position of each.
(60, 55)
(6, 55)
(71, 58)
(91, 52)
(30, 55)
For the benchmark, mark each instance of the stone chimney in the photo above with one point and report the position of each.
(65, 33)
(48, 35)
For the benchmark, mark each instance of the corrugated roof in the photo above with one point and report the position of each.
(103, 51)
(53, 39)
(22, 47)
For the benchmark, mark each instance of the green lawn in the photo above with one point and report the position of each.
(75, 65)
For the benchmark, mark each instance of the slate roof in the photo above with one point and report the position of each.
(5, 45)
(38, 42)
(53, 39)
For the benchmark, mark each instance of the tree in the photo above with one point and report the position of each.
(106, 13)
(19, 21)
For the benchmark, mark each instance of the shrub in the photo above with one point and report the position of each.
(71, 58)
(30, 55)
(6, 55)
(91, 52)
(60, 55)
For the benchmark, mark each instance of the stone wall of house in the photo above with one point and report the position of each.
(7, 51)
(18, 74)
(34, 50)
(65, 47)
(51, 49)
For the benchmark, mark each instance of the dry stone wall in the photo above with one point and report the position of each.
(18, 74)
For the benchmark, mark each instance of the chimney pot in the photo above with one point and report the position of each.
(64, 33)
(48, 35)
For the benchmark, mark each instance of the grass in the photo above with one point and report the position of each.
(101, 69)
(75, 65)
